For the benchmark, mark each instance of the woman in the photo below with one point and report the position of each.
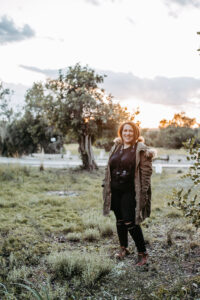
(127, 188)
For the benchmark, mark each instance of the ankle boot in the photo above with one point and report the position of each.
(142, 259)
(122, 253)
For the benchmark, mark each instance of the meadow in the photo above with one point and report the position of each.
(73, 148)
(55, 244)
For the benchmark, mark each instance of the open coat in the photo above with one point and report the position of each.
(142, 181)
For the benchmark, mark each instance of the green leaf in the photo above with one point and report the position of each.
(32, 290)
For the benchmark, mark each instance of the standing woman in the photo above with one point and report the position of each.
(127, 188)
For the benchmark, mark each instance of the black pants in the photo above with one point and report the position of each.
(123, 204)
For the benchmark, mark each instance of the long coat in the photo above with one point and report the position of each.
(142, 182)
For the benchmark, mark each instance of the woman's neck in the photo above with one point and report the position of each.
(126, 145)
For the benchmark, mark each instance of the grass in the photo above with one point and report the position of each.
(73, 148)
(67, 246)
(163, 151)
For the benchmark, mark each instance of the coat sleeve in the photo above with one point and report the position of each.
(107, 166)
(145, 172)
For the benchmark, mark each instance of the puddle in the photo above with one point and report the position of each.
(63, 193)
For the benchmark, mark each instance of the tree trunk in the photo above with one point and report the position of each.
(87, 155)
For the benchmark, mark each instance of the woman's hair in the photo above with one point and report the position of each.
(136, 131)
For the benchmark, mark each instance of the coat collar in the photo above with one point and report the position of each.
(148, 152)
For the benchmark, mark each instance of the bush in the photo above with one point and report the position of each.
(86, 268)
(174, 137)
(91, 235)
(74, 236)
(184, 200)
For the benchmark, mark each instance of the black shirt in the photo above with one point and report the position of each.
(122, 168)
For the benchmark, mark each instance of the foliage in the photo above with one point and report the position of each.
(25, 135)
(179, 120)
(75, 104)
(89, 267)
(169, 137)
(29, 286)
(188, 203)
(6, 111)
(174, 137)
(44, 295)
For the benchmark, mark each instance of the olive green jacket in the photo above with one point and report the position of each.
(142, 182)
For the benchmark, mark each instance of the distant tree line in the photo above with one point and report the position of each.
(73, 108)
(173, 133)
(23, 133)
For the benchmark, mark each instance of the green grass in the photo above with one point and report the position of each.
(66, 245)
(163, 151)
(73, 148)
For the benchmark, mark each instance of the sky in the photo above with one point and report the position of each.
(147, 49)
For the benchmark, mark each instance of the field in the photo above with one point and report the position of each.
(55, 240)
(73, 148)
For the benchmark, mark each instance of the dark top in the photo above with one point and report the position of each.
(122, 169)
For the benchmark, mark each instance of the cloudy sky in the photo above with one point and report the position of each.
(148, 49)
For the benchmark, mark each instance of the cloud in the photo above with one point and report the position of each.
(160, 90)
(130, 20)
(98, 2)
(9, 32)
(48, 72)
(175, 7)
(195, 3)
(94, 2)
(174, 92)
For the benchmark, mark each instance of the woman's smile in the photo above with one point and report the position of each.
(127, 134)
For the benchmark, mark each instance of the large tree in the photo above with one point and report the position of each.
(74, 101)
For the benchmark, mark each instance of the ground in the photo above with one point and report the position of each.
(53, 235)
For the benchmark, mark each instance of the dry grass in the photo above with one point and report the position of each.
(42, 235)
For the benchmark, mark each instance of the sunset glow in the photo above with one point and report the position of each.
(147, 49)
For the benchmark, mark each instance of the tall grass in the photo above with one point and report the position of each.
(68, 240)
(88, 267)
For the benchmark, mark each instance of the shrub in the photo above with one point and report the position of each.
(74, 236)
(106, 229)
(85, 267)
(18, 274)
(184, 200)
(91, 235)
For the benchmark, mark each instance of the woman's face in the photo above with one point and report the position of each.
(127, 134)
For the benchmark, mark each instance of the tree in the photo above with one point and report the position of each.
(74, 101)
(6, 111)
(174, 137)
(40, 129)
(173, 133)
(179, 120)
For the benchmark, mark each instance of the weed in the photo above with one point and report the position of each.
(91, 235)
(74, 236)
(32, 221)
(87, 267)
(19, 274)
(106, 229)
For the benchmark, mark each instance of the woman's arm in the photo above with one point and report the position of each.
(145, 170)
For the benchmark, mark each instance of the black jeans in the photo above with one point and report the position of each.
(123, 204)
